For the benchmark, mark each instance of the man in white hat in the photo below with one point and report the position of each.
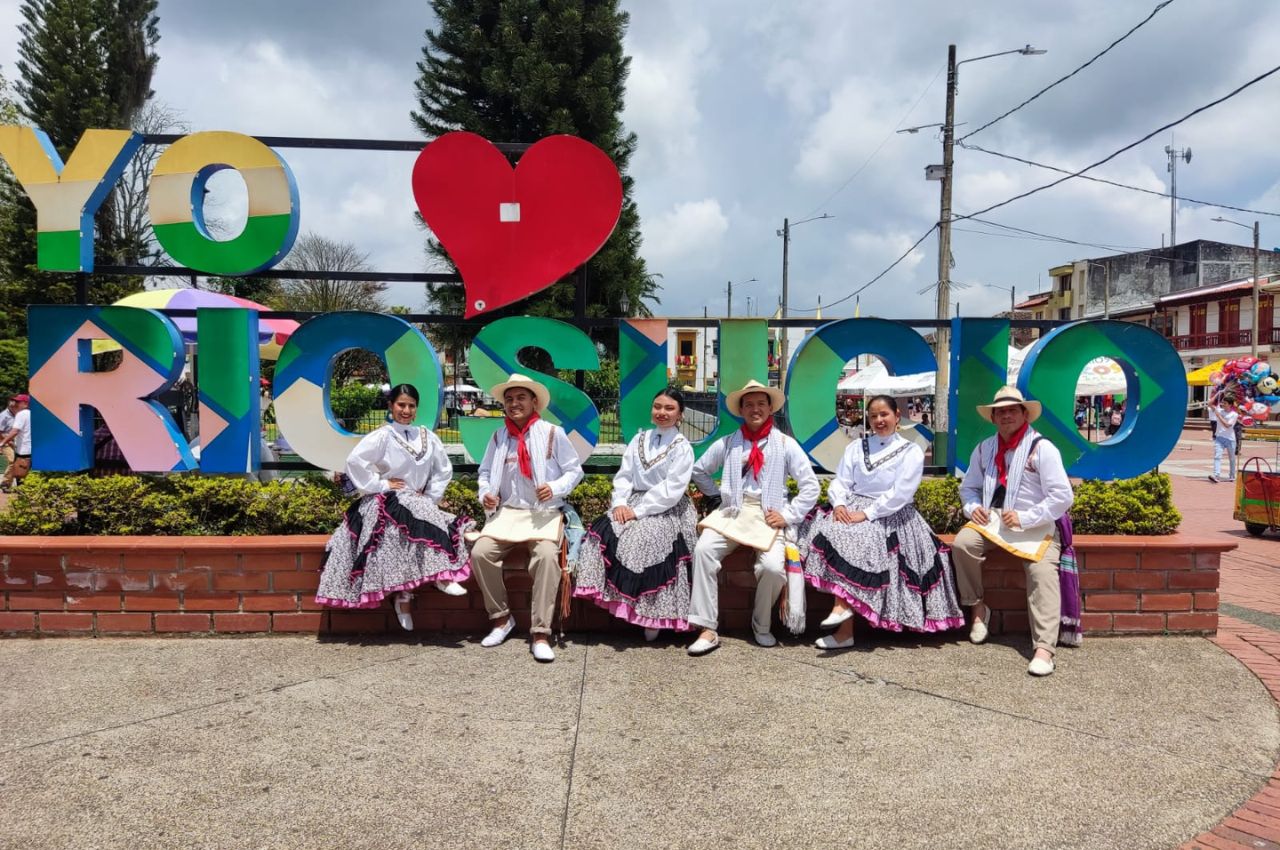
(528, 468)
(1017, 476)
(754, 510)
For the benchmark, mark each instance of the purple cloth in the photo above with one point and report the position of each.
(1070, 632)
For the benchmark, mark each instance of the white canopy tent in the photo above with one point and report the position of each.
(1101, 376)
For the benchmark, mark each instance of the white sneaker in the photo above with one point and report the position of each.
(702, 646)
(451, 588)
(652, 634)
(830, 642)
(978, 631)
(835, 618)
(1040, 666)
(401, 605)
(499, 633)
(542, 651)
(766, 639)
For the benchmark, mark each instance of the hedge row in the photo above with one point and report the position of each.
(195, 504)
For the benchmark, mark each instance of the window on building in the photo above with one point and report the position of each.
(1229, 315)
(1199, 319)
(686, 347)
(1266, 317)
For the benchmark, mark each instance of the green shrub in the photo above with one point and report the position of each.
(938, 500)
(352, 401)
(1142, 505)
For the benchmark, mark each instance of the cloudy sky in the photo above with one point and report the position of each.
(750, 111)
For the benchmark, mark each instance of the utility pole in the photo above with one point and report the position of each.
(728, 306)
(782, 358)
(942, 378)
(1256, 303)
(1174, 154)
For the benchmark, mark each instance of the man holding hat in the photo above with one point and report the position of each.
(1017, 476)
(528, 468)
(754, 510)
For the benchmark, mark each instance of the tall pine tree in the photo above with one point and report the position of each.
(519, 70)
(82, 64)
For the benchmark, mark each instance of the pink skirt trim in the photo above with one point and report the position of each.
(374, 598)
(621, 609)
(865, 611)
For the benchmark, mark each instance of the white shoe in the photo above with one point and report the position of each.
(652, 634)
(702, 646)
(451, 588)
(835, 618)
(978, 631)
(766, 639)
(1040, 666)
(542, 651)
(830, 642)
(401, 605)
(499, 633)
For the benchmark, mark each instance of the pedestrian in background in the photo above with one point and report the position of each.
(6, 425)
(19, 436)
(1226, 416)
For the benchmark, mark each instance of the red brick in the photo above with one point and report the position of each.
(1146, 580)
(124, 622)
(41, 563)
(55, 622)
(14, 621)
(1014, 579)
(241, 581)
(295, 580)
(307, 602)
(35, 579)
(130, 582)
(1194, 580)
(1206, 602)
(1014, 621)
(1146, 623)
(1226, 839)
(80, 580)
(308, 622)
(35, 601)
(357, 622)
(1164, 559)
(1208, 560)
(182, 622)
(1111, 602)
(94, 562)
(1110, 559)
(1198, 622)
(242, 622)
(93, 602)
(225, 562)
(269, 561)
(183, 580)
(192, 601)
(1166, 602)
(151, 602)
(309, 562)
(1006, 600)
(1096, 622)
(285, 602)
(471, 621)
(154, 562)
(1270, 832)
(1096, 579)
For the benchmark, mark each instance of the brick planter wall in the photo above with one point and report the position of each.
(238, 585)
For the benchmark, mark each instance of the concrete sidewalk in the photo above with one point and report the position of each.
(901, 743)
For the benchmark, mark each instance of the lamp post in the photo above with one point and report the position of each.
(1254, 336)
(943, 333)
(785, 233)
(728, 307)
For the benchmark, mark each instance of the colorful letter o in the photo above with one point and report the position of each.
(176, 203)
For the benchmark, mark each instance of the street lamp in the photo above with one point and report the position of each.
(729, 303)
(1254, 348)
(785, 233)
(943, 334)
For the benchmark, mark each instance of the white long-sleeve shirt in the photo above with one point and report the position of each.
(664, 482)
(1043, 496)
(381, 456)
(563, 471)
(797, 466)
(892, 484)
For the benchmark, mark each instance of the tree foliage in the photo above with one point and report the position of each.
(82, 64)
(313, 252)
(520, 70)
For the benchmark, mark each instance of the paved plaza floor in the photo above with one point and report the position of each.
(901, 743)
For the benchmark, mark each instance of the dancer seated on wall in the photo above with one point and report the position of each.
(635, 561)
(395, 538)
(871, 549)
(529, 467)
(1017, 477)
(754, 512)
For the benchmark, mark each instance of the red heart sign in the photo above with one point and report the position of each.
(513, 232)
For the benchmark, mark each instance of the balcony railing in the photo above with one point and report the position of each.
(1217, 339)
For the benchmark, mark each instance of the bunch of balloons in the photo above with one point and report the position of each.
(1256, 389)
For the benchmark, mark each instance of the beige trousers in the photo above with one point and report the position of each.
(1044, 594)
(7, 481)
(487, 556)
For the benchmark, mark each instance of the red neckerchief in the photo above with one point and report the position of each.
(756, 459)
(1002, 446)
(522, 447)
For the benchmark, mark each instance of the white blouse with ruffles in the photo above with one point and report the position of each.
(408, 452)
(892, 483)
(665, 478)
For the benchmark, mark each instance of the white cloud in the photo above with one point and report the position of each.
(688, 235)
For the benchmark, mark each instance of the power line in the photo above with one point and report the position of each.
(891, 267)
(1115, 183)
(1056, 82)
(1127, 147)
(1021, 233)
(883, 142)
